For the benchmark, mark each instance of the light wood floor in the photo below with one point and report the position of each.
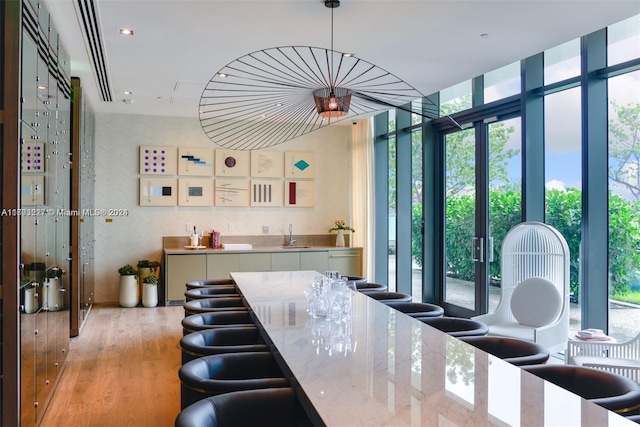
(121, 371)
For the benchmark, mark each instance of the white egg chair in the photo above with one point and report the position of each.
(534, 302)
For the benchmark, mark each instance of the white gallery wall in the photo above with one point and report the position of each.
(138, 235)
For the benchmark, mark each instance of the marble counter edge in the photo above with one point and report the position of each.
(258, 249)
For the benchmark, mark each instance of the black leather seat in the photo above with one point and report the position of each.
(271, 407)
(205, 305)
(390, 296)
(211, 292)
(516, 351)
(211, 282)
(223, 373)
(417, 309)
(357, 279)
(611, 391)
(456, 326)
(219, 319)
(220, 341)
(371, 287)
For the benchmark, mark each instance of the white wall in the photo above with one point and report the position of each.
(139, 235)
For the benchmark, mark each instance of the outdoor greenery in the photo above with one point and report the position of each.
(563, 212)
(563, 208)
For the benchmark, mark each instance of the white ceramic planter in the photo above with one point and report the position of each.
(149, 295)
(340, 238)
(129, 291)
(52, 294)
(30, 300)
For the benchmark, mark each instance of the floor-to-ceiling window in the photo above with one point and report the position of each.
(624, 181)
(553, 173)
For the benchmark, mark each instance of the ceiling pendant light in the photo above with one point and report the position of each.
(277, 94)
(332, 102)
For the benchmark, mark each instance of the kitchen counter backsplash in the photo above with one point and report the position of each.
(320, 240)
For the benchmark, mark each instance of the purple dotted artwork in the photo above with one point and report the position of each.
(33, 157)
(157, 161)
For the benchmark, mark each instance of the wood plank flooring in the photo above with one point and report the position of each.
(121, 371)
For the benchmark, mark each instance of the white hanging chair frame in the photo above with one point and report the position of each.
(533, 249)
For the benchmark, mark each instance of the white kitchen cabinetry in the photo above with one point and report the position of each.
(181, 269)
(185, 266)
(348, 263)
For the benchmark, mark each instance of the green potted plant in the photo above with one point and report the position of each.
(35, 271)
(146, 268)
(340, 226)
(129, 290)
(150, 291)
(53, 296)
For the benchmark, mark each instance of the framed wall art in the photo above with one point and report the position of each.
(266, 193)
(267, 164)
(158, 160)
(158, 192)
(231, 192)
(32, 190)
(299, 193)
(230, 163)
(299, 164)
(195, 191)
(194, 161)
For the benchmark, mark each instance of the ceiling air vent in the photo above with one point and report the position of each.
(90, 24)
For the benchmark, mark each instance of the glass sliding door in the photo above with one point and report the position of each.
(505, 194)
(460, 218)
(483, 201)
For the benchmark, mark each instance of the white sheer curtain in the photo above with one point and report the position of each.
(362, 191)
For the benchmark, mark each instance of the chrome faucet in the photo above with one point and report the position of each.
(291, 241)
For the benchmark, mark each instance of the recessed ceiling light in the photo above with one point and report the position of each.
(223, 75)
(279, 104)
(128, 92)
(125, 31)
(127, 101)
(42, 87)
(348, 55)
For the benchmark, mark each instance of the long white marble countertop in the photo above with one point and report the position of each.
(396, 371)
(182, 251)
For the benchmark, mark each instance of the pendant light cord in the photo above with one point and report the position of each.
(331, 77)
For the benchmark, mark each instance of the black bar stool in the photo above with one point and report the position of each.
(223, 373)
(219, 341)
(209, 282)
(611, 391)
(456, 326)
(218, 319)
(417, 309)
(516, 351)
(205, 305)
(357, 279)
(371, 287)
(211, 292)
(390, 296)
(269, 407)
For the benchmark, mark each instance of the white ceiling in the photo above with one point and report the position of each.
(180, 44)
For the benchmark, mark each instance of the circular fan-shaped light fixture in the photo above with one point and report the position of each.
(275, 95)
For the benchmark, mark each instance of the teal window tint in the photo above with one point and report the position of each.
(392, 120)
(623, 41)
(563, 179)
(416, 214)
(416, 107)
(502, 82)
(562, 62)
(624, 202)
(392, 206)
(455, 98)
